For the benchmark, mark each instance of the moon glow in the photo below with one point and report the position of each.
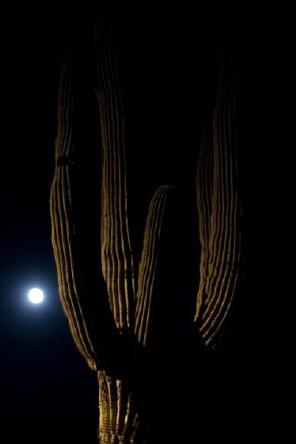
(35, 296)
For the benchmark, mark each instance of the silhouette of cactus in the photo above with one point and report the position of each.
(108, 297)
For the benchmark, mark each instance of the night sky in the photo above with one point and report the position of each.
(46, 388)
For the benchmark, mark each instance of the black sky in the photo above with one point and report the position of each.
(45, 384)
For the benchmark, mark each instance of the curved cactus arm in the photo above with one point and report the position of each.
(219, 208)
(116, 250)
(204, 207)
(85, 305)
(147, 274)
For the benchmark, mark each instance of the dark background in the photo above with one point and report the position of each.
(168, 69)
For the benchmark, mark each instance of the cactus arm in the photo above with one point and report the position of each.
(116, 250)
(204, 207)
(219, 208)
(147, 274)
(85, 303)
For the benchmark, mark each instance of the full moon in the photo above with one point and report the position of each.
(36, 296)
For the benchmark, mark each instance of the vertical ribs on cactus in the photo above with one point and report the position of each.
(219, 208)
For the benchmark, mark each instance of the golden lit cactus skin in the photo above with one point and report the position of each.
(219, 208)
(147, 274)
(88, 316)
(119, 417)
(116, 251)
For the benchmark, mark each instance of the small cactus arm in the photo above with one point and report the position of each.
(147, 274)
(219, 208)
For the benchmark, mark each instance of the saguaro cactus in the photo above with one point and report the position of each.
(108, 304)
